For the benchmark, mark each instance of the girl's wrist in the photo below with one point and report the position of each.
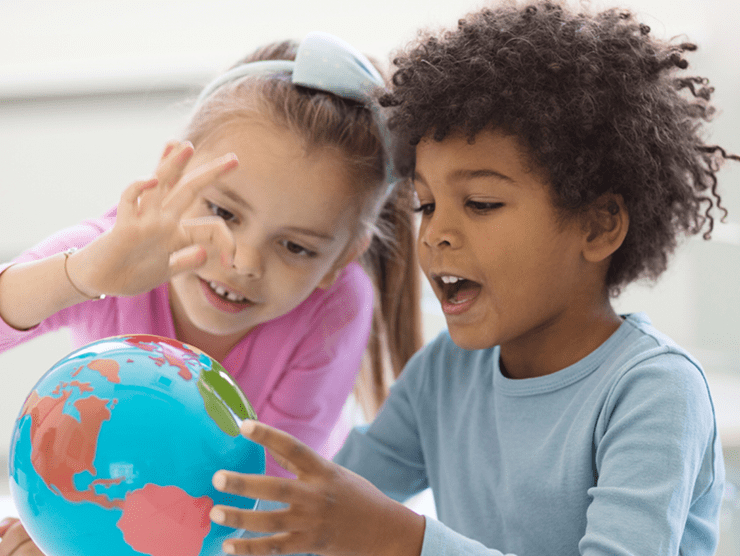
(74, 278)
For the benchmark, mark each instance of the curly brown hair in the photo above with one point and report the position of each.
(601, 104)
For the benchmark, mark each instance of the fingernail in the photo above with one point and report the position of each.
(187, 151)
(219, 481)
(229, 161)
(217, 515)
(229, 548)
(5, 522)
(247, 427)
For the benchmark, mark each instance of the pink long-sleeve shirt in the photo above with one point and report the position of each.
(297, 370)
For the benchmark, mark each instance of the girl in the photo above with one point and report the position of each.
(242, 243)
(559, 156)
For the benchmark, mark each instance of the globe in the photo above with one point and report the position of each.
(114, 450)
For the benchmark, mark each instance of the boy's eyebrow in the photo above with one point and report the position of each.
(481, 173)
(234, 196)
(466, 174)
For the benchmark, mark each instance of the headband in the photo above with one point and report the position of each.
(323, 62)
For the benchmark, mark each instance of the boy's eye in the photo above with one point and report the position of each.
(425, 209)
(481, 206)
(296, 249)
(221, 212)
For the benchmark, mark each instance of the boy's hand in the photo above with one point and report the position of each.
(15, 539)
(151, 241)
(330, 510)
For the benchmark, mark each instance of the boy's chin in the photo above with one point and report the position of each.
(469, 338)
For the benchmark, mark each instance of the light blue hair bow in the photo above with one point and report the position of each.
(323, 62)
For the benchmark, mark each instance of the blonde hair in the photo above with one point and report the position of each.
(351, 129)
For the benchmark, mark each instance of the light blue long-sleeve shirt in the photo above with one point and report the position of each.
(617, 454)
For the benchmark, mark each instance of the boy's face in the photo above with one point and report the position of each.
(505, 269)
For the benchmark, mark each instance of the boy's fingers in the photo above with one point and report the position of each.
(180, 197)
(258, 521)
(295, 455)
(281, 543)
(263, 487)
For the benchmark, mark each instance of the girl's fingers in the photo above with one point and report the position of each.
(129, 204)
(15, 540)
(292, 454)
(170, 168)
(169, 147)
(187, 258)
(212, 233)
(180, 197)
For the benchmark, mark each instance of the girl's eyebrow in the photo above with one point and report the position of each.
(312, 233)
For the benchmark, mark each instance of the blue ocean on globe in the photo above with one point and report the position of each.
(115, 447)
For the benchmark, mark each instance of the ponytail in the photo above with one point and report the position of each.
(396, 332)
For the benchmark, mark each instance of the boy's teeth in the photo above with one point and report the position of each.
(450, 279)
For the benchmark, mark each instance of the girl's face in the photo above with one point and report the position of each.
(505, 269)
(291, 217)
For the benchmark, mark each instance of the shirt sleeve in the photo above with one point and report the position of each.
(307, 400)
(76, 236)
(657, 462)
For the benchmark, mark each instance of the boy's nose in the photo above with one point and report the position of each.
(440, 233)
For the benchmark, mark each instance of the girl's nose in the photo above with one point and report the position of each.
(248, 261)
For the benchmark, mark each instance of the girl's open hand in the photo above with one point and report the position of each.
(330, 510)
(15, 539)
(150, 241)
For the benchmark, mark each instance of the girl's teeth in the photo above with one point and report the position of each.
(450, 279)
(231, 296)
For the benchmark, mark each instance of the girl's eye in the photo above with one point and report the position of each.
(220, 212)
(481, 206)
(425, 209)
(296, 249)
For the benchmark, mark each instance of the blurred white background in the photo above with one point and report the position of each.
(90, 90)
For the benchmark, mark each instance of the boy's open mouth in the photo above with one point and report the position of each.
(457, 290)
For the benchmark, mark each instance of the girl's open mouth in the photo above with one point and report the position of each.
(223, 299)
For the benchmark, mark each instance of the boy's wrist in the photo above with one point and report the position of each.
(404, 534)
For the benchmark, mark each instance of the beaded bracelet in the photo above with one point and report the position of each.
(67, 253)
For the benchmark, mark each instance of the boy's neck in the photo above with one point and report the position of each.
(560, 343)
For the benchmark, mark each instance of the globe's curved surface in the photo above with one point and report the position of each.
(114, 450)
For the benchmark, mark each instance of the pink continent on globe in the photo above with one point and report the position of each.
(165, 521)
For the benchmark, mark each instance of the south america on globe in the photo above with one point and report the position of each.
(115, 447)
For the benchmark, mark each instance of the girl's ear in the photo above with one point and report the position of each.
(359, 247)
(606, 224)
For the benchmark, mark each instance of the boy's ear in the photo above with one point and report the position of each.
(359, 247)
(606, 224)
